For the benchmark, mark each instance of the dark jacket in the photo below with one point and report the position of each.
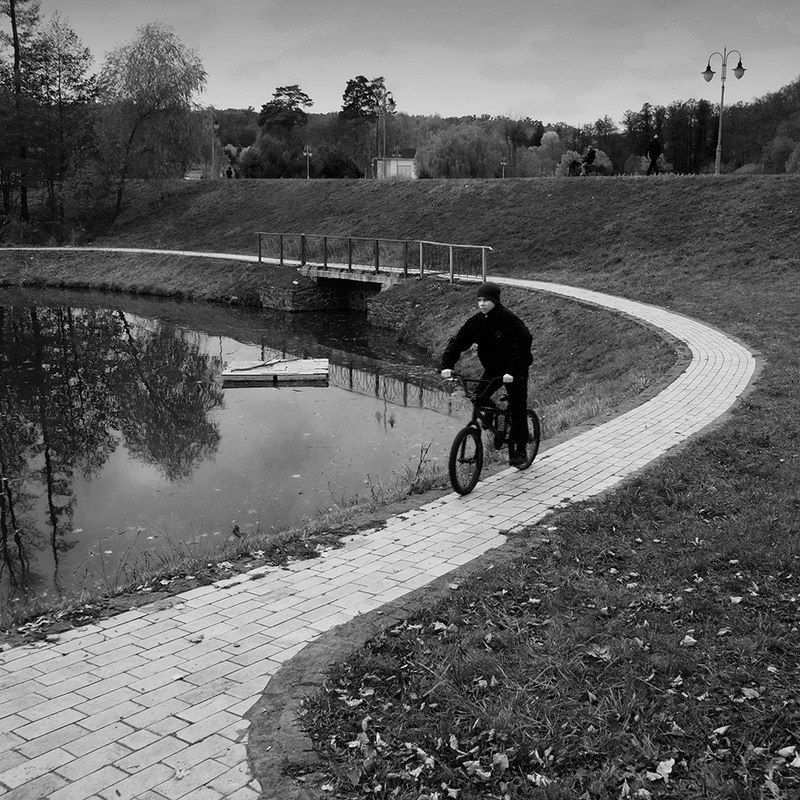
(654, 149)
(503, 339)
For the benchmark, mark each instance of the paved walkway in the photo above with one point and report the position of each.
(150, 704)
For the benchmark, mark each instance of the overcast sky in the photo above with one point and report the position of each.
(555, 60)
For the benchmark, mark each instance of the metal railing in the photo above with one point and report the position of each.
(396, 256)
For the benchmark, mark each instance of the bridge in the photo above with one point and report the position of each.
(372, 260)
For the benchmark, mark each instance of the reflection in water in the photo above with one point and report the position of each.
(74, 385)
(116, 442)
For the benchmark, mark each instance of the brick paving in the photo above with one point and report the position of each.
(150, 705)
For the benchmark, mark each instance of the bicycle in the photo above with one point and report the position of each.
(466, 454)
(575, 169)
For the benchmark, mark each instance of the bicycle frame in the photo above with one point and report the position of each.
(482, 414)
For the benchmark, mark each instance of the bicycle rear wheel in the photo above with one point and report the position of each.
(534, 436)
(466, 459)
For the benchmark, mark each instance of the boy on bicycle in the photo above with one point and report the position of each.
(504, 350)
(588, 159)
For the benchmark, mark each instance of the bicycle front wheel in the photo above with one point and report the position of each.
(466, 459)
(534, 436)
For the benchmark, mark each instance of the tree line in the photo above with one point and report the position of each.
(72, 138)
(761, 136)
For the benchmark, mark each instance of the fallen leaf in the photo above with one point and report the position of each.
(602, 652)
(538, 780)
(662, 772)
(500, 760)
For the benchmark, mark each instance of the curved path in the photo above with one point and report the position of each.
(151, 704)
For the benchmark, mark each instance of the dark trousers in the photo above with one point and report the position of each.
(517, 402)
(653, 166)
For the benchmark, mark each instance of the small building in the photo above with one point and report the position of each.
(399, 165)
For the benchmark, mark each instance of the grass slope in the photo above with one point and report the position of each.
(529, 223)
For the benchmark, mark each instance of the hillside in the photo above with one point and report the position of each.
(529, 223)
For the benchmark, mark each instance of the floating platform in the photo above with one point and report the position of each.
(295, 371)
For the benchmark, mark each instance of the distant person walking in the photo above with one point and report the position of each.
(654, 150)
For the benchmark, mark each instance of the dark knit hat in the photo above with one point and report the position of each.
(491, 291)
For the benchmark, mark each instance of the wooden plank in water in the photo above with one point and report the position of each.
(305, 371)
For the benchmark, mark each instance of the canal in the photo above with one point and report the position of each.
(119, 445)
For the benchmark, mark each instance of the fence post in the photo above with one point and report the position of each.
(483, 263)
(451, 263)
(421, 265)
(302, 249)
(259, 248)
(377, 255)
(281, 238)
(349, 253)
(325, 252)
(405, 258)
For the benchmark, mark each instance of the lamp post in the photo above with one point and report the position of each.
(385, 105)
(215, 154)
(708, 74)
(307, 153)
(503, 163)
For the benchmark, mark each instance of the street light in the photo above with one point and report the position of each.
(215, 154)
(503, 163)
(386, 105)
(708, 74)
(307, 153)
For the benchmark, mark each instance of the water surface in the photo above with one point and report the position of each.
(119, 444)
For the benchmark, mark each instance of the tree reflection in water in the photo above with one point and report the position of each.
(74, 384)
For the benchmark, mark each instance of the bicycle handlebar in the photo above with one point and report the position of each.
(470, 385)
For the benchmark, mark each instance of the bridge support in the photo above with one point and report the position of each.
(311, 288)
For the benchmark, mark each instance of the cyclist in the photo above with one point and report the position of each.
(588, 159)
(504, 350)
